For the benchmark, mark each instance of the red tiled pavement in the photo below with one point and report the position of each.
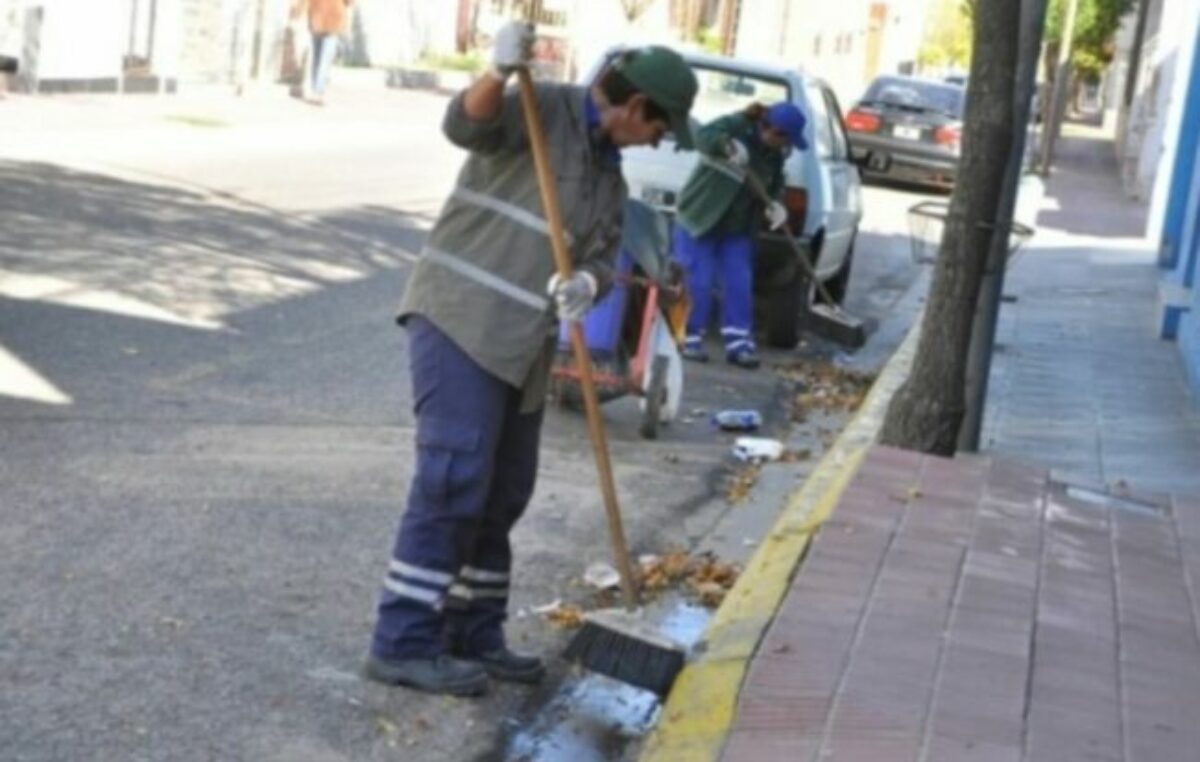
(973, 609)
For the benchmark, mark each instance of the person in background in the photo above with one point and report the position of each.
(326, 22)
(481, 309)
(718, 215)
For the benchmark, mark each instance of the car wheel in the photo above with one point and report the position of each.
(836, 286)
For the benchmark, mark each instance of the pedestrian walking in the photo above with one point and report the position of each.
(719, 213)
(326, 23)
(481, 309)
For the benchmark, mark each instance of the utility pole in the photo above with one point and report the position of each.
(987, 309)
(1062, 72)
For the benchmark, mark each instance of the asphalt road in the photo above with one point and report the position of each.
(206, 435)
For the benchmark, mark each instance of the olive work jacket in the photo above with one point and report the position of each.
(716, 198)
(482, 274)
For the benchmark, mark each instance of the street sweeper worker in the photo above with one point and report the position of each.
(481, 310)
(719, 214)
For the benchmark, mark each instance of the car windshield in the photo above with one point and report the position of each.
(722, 92)
(915, 94)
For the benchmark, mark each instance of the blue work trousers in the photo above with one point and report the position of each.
(448, 578)
(324, 51)
(730, 258)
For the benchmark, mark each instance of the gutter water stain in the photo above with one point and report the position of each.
(593, 718)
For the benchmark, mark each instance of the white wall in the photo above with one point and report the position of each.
(65, 51)
(1173, 58)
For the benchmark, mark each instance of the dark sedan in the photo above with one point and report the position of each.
(908, 129)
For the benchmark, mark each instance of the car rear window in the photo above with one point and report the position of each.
(915, 94)
(722, 92)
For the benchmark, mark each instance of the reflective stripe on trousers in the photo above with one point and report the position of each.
(475, 472)
(730, 259)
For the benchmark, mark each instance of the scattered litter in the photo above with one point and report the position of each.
(757, 449)
(909, 494)
(737, 420)
(795, 456)
(601, 576)
(749, 543)
(568, 617)
(824, 387)
(740, 482)
(387, 728)
(707, 578)
(671, 457)
(546, 608)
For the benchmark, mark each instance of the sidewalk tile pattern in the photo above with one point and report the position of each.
(973, 609)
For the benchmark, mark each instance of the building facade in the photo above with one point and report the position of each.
(1179, 240)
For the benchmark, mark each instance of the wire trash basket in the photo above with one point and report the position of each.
(927, 222)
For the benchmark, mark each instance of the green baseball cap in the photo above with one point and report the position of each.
(665, 78)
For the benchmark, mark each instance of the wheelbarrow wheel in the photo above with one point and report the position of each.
(656, 396)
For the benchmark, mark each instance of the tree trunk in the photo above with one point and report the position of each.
(928, 409)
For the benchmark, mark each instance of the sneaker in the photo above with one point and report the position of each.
(503, 664)
(437, 674)
(743, 358)
(694, 352)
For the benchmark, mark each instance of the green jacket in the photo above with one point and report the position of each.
(482, 274)
(716, 198)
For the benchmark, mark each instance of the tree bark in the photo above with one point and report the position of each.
(928, 409)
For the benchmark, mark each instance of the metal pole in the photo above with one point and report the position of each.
(987, 309)
(1062, 72)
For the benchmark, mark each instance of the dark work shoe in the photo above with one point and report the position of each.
(437, 674)
(503, 664)
(743, 358)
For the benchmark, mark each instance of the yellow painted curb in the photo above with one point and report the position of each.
(703, 702)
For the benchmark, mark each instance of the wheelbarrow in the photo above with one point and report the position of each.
(634, 333)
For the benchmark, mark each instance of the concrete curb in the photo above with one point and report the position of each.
(699, 712)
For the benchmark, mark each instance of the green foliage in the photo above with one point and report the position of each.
(472, 62)
(1096, 23)
(710, 40)
(947, 39)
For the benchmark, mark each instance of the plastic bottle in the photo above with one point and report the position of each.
(738, 420)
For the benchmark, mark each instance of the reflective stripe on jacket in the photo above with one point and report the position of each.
(482, 275)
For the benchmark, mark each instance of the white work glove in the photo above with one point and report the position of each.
(513, 47)
(776, 215)
(735, 151)
(574, 295)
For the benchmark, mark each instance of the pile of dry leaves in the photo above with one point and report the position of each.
(701, 577)
(825, 387)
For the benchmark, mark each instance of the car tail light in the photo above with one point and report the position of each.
(949, 135)
(862, 121)
(795, 200)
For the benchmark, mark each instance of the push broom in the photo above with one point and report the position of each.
(614, 643)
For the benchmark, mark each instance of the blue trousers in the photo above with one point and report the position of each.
(476, 467)
(324, 50)
(729, 257)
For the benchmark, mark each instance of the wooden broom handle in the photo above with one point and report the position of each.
(583, 360)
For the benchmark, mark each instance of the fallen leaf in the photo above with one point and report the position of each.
(568, 617)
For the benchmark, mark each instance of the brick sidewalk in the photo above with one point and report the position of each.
(986, 608)
(978, 610)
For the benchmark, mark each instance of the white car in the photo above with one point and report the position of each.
(823, 191)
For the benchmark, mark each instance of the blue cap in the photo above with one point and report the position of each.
(788, 119)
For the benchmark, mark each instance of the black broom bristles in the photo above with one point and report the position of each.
(618, 645)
